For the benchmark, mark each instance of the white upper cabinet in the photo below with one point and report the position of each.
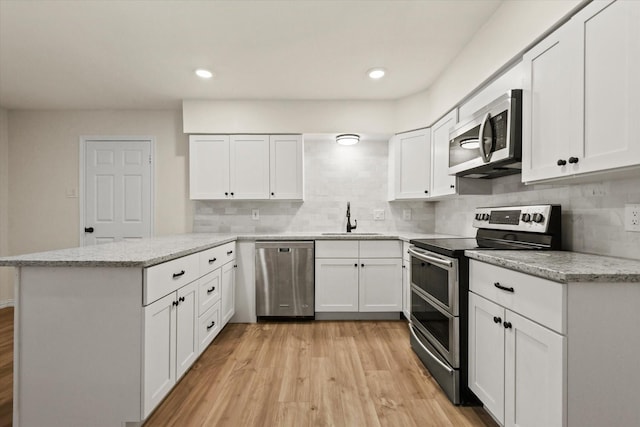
(581, 95)
(249, 167)
(411, 168)
(249, 156)
(208, 166)
(442, 183)
(286, 167)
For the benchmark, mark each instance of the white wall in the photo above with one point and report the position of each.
(514, 26)
(6, 274)
(43, 152)
(370, 117)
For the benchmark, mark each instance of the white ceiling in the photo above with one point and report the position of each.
(135, 54)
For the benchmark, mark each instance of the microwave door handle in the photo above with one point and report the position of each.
(483, 151)
(433, 260)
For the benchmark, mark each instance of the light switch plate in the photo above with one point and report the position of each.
(406, 214)
(632, 217)
(255, 214)
(378, 214)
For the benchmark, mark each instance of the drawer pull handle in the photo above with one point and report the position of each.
(175, 303)
(213, 288)
(496, 319)
(229, 252)
(213, 323)
(176, 275)
(212, 260)
(504, 288)
(507, 325)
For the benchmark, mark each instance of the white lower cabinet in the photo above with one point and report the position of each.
(228, 292)
(354, 276)
(171, 342)
(516, 365)
(179, 326)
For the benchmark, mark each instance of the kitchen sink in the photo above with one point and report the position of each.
(351, 234)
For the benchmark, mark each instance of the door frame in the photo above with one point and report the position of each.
(82, 172)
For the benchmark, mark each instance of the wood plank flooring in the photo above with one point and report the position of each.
(295, 374)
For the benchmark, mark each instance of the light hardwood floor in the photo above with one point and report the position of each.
(296, 374)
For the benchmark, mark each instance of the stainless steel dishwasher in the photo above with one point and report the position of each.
(285, 279)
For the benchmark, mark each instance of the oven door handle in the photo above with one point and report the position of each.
(431, 259)
(436, 358)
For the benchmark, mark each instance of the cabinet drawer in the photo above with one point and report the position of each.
(380, 249)
(208, 326)
(540, 300)
(213, 258)
(209, 290)
(336, 249)
(167, 277)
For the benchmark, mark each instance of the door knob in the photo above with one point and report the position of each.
(88, 229)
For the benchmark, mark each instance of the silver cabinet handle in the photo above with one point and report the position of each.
(431, 259)
(444, 366)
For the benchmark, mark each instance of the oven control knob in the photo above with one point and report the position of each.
(485, 217)
(477, 217)
(537, 217)
(526, 217)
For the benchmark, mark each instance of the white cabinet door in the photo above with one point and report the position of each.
(442, 183)
(336, 284)
(534, 376)
(286, 160)
(406, 288)
(228, 293)
(611, 61)
(208, 166)
(249, 156)
(186, 328)
(412, 172)
(486, 354)
(159, 351)
(551, 120)
(380, 284)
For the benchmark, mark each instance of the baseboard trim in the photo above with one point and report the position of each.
(6, 303)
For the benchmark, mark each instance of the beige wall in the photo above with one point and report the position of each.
(514, 26)
(6, 274)
(44, 149)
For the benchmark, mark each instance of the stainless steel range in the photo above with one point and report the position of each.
(440, 285)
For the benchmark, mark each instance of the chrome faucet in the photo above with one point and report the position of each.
(349, 226)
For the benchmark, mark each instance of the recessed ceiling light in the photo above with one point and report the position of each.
(376, 73)
(347, 139)
(202, 73)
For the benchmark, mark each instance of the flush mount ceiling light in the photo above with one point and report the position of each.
(347, 139)
(376, 73)
(204, 74)
(470, 144)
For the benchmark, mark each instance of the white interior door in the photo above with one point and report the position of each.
(117, 194)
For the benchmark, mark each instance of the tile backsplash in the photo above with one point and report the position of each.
(592, 214)
(334, 174)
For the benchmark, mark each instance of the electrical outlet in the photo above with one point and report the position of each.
(406, 214)
(632, 217)
(255, 214)
(378, 214)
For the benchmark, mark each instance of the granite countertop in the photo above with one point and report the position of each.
(156, 250)
(562, 266)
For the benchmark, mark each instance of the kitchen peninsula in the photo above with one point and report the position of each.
(102, 333)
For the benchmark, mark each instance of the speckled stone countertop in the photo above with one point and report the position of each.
(562, 266)
(156, 250)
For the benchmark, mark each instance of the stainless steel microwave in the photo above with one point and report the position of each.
(489, 143)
